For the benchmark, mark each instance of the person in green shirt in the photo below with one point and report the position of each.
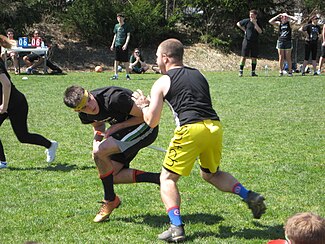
(122, 33)
(137, 63)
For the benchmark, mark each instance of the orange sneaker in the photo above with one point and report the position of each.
(106, 209)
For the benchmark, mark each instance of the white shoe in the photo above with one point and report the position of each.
(3, 165)
(50, 152)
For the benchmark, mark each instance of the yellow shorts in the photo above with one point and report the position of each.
(202, 139)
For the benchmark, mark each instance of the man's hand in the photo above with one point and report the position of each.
(140, 100)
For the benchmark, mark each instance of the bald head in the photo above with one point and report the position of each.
(173, 49)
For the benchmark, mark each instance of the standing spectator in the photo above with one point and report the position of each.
(284, 43)
(252, 29)
(303, 228)
(11, 54)
(13, 105)
(122, 34)
(198, 134)
(137, 63)
(313, 30)
(322, 57)
(125, 137)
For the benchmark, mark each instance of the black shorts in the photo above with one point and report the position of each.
(284, 45)
(33, 56)
(310, 48)
(121, 55)
(249, 49)
(131, 140)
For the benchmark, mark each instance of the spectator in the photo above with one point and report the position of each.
(11, 54)
(322, 57)
(14, 106)
(122, 33)
(137, 63)
(284, 43)
(36, 58)
(303, 228)
(252, 29)
(313, 30)
(198, 134)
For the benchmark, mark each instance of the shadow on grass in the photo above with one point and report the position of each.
(56, 167)
(263, 232)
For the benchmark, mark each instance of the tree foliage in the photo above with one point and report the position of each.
(211, 21)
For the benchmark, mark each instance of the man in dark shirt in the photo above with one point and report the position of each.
(113, 148)
(252, 29)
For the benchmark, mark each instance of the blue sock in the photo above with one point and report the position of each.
(240, 190)
(175, 216)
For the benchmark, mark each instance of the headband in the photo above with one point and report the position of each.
(83, 101)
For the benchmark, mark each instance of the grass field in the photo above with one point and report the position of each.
(274, 130)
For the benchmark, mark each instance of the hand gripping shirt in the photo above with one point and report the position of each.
(189, 96)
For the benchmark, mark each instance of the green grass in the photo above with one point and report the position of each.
(273, 143)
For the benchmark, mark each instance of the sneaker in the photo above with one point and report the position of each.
(173, 234)
(114, 77)
(290, 74)
(255, 202)
(240, 73)
(254, 74)
(303, 74)
(16, 71)
(315, 73)
(319, 72)
(128, 77)
(50, 152)
(106, 209)
(3, 165)
(29, 70)
(280, 73)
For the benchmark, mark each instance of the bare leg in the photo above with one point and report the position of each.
(281, 59)
(169, 190)
(223, 181)
(289, 60)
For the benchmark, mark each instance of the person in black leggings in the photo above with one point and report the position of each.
(13, 105)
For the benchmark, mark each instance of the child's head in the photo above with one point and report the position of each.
(305, 228)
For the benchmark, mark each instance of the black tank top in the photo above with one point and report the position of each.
(189, 96)
(285, 32)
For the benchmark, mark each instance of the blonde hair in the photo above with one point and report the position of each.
(305, 228)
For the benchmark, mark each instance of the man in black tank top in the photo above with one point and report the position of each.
(198, 134)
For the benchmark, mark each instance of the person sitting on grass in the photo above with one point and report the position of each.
(137, 63)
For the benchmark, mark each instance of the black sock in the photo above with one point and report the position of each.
(253, 67)
(141, 176)
(108, 185)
